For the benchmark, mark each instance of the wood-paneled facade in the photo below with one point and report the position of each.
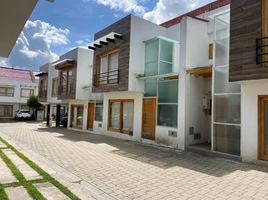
(246, 26)
(123, 45)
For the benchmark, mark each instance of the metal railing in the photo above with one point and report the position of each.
(262, 50)
(110, 77)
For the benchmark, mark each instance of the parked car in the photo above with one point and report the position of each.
(23, 114)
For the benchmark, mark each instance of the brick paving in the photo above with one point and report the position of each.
(127, 170)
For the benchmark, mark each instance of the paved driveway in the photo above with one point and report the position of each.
(127, 170)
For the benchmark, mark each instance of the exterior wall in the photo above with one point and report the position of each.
(245, 28)
(137, 123)
(120, 27)
(84, 73)
(249, 118)
(137, 49)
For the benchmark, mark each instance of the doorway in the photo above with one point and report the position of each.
(148, 118)
(90, 115)
(263, 127)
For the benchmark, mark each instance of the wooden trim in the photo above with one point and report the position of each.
(31, 92)
(121, 101)
(261, 155)
(200, 71)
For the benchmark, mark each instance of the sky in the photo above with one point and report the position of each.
(55, 28)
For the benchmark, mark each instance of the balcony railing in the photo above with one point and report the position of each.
(110, 77)
(262, 50)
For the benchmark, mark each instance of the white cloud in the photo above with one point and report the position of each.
(168, 9)
(33, 47)
(125, 6)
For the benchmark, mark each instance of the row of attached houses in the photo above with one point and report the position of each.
(189, 83)
(16, 85)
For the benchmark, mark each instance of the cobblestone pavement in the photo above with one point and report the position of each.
(127, 170)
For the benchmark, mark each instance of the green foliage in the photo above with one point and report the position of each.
(33, 102)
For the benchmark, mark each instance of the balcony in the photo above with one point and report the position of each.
(106, 78)
(262, 50)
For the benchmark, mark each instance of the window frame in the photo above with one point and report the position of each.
(12, 109)
(98, 69)
(76, 120)
(6, 93)
(120, 129)
(98, 105)
(68, 81)
(28, 89)
(43, 88)
(55, 81)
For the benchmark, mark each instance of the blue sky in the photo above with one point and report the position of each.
(55, 28)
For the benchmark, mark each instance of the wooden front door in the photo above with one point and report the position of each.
(148, 118)
(263, 127)
(90, 115)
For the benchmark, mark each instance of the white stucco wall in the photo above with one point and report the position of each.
(249, 118)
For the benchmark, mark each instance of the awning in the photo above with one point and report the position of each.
(105, 40)
(41, 74)
(63, 63)
(205, 71)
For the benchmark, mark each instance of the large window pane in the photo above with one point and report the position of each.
(165, 68)
(128, 112)
(113, 61)
(168, 91)
(151, 69)
(166, 51)
(151, 51)
(115, 115)
(222, 84)
(6, 111)
(167, 115)
(227, 139)
(227, 109)
(150, 87)
(80, 117)
(98, 112)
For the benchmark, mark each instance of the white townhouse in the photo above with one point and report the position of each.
(168, 84)
(16, 85)
(65, 89)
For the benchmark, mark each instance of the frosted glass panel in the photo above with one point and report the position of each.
(151, 49)
(166, 51)
(227, 109)
(168, 91)
(113, 62)
(222, 84)
(151, 69)
(128, 110)
(167, 115)
(150, 87)
(115, 112)
(165, 68)
(222, 52)
(227, 139)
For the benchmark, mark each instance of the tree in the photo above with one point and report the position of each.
(34, 104)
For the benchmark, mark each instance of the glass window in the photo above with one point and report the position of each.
(54, 87)
(66, 82)
(77, 113)
(103, 69)
(7, 91)
(43, 88)
(150, 87)
(168, 91)
(166, 51)
(114, 115)
(151, 51)
(165, 68)
(121, 116)
(167, 115)
(26, 92)
(98, 112)
(128, 112)
(6, 110)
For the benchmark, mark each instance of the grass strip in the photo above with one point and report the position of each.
(34, 193)
(3, 195)
(45, 175)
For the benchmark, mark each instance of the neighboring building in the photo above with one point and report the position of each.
(65, 89)
(248, 67)
(161, 84)
(16, 85)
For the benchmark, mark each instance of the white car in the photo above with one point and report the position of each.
(23, 114)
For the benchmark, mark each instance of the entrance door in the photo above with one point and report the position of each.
(90, 115)
(263, 127)
(148, 118)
